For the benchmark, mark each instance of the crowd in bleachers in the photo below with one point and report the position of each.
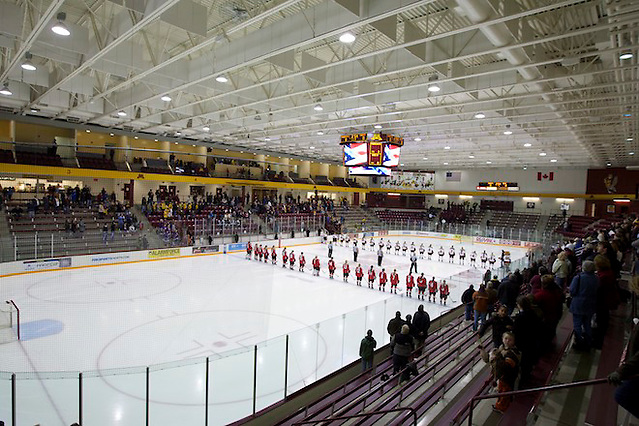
(582, 274)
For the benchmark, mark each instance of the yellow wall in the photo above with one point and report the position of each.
(5, 135)
(93, 139)
(36, 133)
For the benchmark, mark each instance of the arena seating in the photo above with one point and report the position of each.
(156, 166)
(515, 220)
(50, 226)
(36, 155)
(297, 179)
(338, 181)
(6, 156)
(577, 226)
(354, 183)
(391, 216)
(322, 180)
(95, 161)
(553, 222)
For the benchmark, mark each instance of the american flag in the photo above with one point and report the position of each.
(355, 154)
(391, 156)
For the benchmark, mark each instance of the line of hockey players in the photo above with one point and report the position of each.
(289, 260)
(344, 240)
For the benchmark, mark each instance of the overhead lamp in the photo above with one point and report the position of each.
(433, 86)
(166, 98)
(111, 134)
(178, 133)
(5, 89)
(136, 137)
(508, 132)
(525, 167)
(471, 156)
(425, 158)
(621, 200)
(527, 145)
(121, 113)
(60, 27)
(446, 147)
(206, 128)
(221, 79)
(445, 164)
(88, 131)
(629, 139)
(489, 162)
(318, 107)
(418, 139)
(311, 147)
(34, 109)
(348, 37)
(542, 154)
(480, 115)
(27, 64)
(320, 133)
(155, 140)
(267, 139)
(631, 153)
(625, 55)
(377, 126)
(175, 143)
(608, 164)
(553, 161)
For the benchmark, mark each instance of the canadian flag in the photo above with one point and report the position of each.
(545, 176)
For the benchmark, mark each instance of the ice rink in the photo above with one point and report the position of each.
(110, 322)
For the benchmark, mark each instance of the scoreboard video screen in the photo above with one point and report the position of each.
(374, 154)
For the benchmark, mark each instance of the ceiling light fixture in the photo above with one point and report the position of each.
(121, 113)
(425, 158)
(433, 86)
(60, 27)
(111, 134)
(166, 98)
(206, 128)
(418, 139)
(377, 126)
(446, 147)
(625, 55)
(489, 162)
(480, 115)
(320, 133)
(27, 64)
(318, 107)
(471, 156)
(508, 132)
(5, 89)
(553, 161)
(542, 154)
(221, 79)
(348, 37)
(631, 153)
(527, 145)
(311, 147)
(629, 139)
(88, 131)
(445, 164)
(136, 137)
(267, 139)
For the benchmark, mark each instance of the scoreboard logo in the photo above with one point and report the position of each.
(375, 153)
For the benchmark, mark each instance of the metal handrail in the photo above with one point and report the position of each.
(354, 416)
(476, 398)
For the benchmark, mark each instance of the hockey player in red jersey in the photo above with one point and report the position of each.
(383, 277)
(316, 266)
(371, 277)
(444, 291)
(302, 262)
(410, 283)
(346, 270)
(421, 286)
(284, 258)
(331, 268)
(249, 249)
(359, 273)
(291, 259)
(273, 256)
(394, 280)
(432, 290)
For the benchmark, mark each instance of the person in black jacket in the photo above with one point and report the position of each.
(507, 294)
(395, 324)
(527, 327)
(402, 347)
(467, 299)
(500, 323)
(421, 324)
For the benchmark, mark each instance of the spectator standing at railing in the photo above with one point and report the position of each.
(467, 300)
(367, 350)
(401, 346)
(527, 329)
(394, 325)
(421, 325)
(480, 300)
(561, 269)
(583, 306)
(505, 364)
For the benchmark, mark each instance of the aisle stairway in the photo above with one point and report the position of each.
(354, 216)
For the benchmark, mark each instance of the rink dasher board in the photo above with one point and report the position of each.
(8, 269)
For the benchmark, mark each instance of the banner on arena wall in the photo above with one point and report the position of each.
(488, 240)
(110, 258)
(206, 249)
(235, 247)
(382, 232)
(409, 180)
(170, 252)
(37, 265)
